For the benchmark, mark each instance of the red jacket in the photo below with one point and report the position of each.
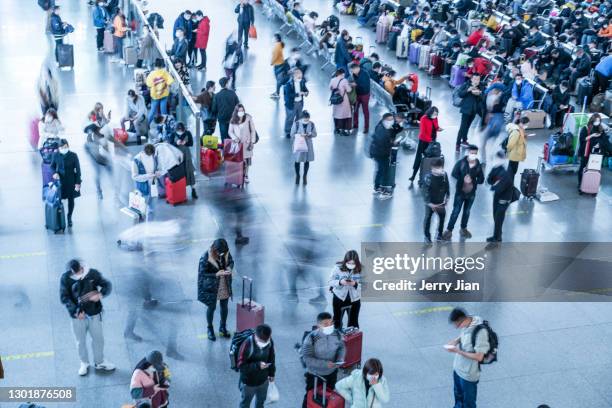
(426, 128)
(202, 33)
(474, 38)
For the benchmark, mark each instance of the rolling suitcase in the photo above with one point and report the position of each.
(436, 66)
(457, 77)
(529, 183)
(393, 40)
(130, 56)
(424, 54)
(591, 179)
(234, 173)
(109, 42)
(55, 217)
(249, 314)
(353, 341)
(209, 160)
(382, 32)
(176, 192)
(321, 396)
(65, 55)
(413, 53)
(390, 182)
(47, 173)
(401, 50)
(584, 90)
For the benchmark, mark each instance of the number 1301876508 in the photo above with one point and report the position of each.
(37, 394)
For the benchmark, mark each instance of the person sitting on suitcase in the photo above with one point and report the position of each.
(322, 351)
(215, 283)
(468, 173)
(435, 193)
(256, 362)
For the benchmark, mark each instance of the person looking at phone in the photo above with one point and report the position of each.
(257, 368)
(590, 140)
(345, 285)
(436, 193)
(322, 352)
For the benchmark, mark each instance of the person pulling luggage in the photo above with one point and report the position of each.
(589, 137)
(67, 169)
(380, 150)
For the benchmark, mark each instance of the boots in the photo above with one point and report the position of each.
(304, 181)
(194, 195)
(224, 333)
(297, 179)
(211, 334)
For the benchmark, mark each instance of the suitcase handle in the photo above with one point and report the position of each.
(428, 93)
(324, 388)
(245, 278)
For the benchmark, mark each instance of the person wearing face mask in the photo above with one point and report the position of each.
(120, 28)
(81, 292)
(223, 104)
(49, 127)
(380, 150)
(215, 284)
(100, 21)
(468, 173)
(150, 380)
(66, 168)
(303, 128)
(256, 363)
(580, 67)
(185, 24)
(182, 139)
(201, 39)
(428, 132)
(471, 105)
(179, 47)
(517, 144)
(341, 54)
(560, 104)
(145, 172)
(147, 52)
(322, 352)
(136, 115)
(469, 350)
(294, 92)
(502, 185)
(345, 285)
(365, 388)
(342, 113)
(589, 139)
(242, 130)
(246, 18)
(522, 96)
(435, 194)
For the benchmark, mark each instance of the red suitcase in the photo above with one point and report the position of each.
(249, 314)
(321, 396)
(234, 174)
(436, 67)
(546, 152)
(176, 192)
(353, 341)
(209, 160)
(232, 151)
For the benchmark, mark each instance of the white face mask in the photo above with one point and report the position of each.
(63, 150)
(518, 81)
(437, 172)
(472, 156)
(372, 377)
(597, 123)
(48, 119)
(261, 344)
(240, 114)
(179, 133)
(305, 121)
(351, 266)
(327, 330)
(387, 124)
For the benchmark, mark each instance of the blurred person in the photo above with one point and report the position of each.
(49, 127)
(278, 63)
(120, 29)
(145, 173)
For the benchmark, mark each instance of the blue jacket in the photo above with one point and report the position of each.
(247, 17)
(142, 186)
(605, 66)
(179, 50)
(289, 92)
(57, 26)
(526, 96)
(185, 25)
(100, 17)
(341, 56)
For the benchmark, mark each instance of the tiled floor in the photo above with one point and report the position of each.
(550, 353)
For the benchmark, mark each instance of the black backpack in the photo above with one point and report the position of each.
(336, 98)
(333, 22)
(433, 150)
(237, 340)
(490, 356)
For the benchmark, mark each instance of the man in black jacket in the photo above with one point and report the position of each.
(380, 150)
(534, 39)
(81, 291)
(256, 362)
(360, 79)
(179, 47)
(580, 67)
(246, 18)
(435, 193)
(501, 181)
(560, 60)
(294, 92)
(223, 105)
(468, 173)
(560, 104)
(471, 105)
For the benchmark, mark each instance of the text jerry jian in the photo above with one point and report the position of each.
(408, 285)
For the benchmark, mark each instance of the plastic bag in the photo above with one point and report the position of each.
(273, 394)
(252, 32)
(154, 189)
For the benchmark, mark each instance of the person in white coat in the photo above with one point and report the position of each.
(242, 130)
(365, 388)
(345, 285)
(49, 127)
(167, 157)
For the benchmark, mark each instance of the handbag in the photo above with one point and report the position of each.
(335, 98)
(137, 202)
(154, 189)
(299, 144)
(232, 151)
(252, 32)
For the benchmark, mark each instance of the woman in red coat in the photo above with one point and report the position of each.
(202, 37)
(427, 133)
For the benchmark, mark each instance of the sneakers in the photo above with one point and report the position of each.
(447, 235)
(376, 191)
(105, 366)
(274, 95)
(493, 239)
(83, 369)
(427, 240)
(384, 195)
(440, 238)
(465, 233)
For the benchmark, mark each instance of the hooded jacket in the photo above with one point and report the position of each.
(73, 288)
(517, 143)
(353, 390)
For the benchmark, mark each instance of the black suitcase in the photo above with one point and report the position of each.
(55, 217)
(390, 182)
(584, 90)
(529, 183)
(65, 55)
(392, 41)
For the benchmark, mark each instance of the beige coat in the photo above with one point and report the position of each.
(245, 134)
(517, 143)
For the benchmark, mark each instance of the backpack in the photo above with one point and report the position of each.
(333, 22)
(457, 100)
(44, 4)
(490, 356)
(433, 150)
(237, 340)
(300, 346)
(336, 98)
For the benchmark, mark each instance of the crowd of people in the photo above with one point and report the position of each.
(496, 71)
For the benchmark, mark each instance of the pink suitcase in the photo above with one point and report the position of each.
(234, 174)
(34, 133)
(591, 179)
(353, 341)
(382, 33)
(249, 314)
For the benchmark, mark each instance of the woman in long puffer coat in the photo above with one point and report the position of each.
(201, 42)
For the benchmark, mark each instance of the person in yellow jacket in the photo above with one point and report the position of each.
(490, 21)
(517, 144)
(159, 82)
(120, 28)
(278, 62)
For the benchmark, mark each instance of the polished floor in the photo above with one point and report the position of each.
(554, 353)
